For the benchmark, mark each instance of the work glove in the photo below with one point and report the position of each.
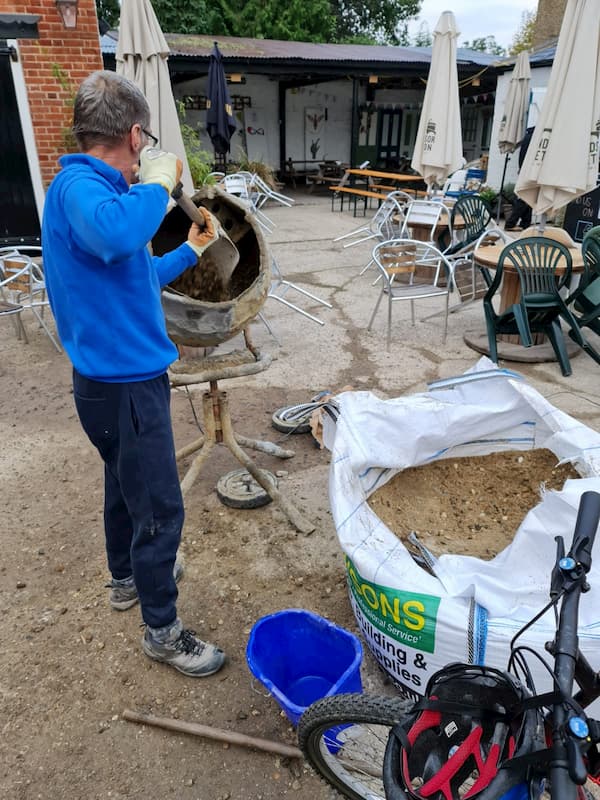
(199, 239)
(158, 166)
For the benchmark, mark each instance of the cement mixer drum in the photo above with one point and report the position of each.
(200, 311)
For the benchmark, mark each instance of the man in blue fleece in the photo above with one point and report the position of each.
(101, 211)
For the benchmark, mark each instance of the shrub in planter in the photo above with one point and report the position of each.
(489, 194)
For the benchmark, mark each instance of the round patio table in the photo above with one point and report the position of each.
(421, 228)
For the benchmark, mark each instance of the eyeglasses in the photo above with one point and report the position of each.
(151, 136)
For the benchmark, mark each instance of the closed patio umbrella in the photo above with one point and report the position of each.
(512, 125)
(562, 161)
(142, 57)
(438, 147)
(220, 124)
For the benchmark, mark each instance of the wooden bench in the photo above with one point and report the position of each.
(406, 189)
(321, 180)
(381, 187)
(356, 192)
(291, 172)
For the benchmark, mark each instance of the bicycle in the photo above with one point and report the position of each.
(478, 732)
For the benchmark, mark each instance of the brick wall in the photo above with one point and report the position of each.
(548, 20)
(53, 67)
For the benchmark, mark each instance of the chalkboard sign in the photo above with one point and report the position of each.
(582, 214)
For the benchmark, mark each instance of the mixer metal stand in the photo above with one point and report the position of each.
(218, 429)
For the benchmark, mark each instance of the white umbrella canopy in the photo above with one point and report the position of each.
(562, 161)
(512, 125)
(142, 57)
(438, 147)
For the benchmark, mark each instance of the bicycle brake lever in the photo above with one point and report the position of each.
(577, 768)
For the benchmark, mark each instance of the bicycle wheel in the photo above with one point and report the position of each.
(343, 737)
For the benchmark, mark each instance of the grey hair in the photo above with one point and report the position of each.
(106, 107)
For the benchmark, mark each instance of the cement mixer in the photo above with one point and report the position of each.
(201, 310)
(204, 307)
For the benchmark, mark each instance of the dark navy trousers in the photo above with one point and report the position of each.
(130, 425)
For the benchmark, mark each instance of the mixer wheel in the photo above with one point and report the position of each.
(238, 489)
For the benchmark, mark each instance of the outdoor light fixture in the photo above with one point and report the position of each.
(373, 79)
(236, 78)
(475, 82)
(68, 12)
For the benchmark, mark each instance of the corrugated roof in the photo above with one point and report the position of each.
(541, 57)
(200, 47)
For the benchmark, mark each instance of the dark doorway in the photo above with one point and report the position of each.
(388, 138)
(19, 220)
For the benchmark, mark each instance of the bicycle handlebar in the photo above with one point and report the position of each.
(586, 526)
(567, 768)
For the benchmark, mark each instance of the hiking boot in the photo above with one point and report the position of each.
(123, 593)
(182, 649)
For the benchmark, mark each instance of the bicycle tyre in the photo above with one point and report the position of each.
(368, 720)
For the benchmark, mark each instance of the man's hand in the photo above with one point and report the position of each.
(157, 166)
(199, 239)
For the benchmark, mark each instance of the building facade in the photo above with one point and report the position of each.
(41, 64)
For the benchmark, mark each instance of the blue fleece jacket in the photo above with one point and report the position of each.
(103, 284)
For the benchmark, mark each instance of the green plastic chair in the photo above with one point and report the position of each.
(535, 259)
(476, 214)
(585, 300)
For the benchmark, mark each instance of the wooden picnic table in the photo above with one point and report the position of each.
(368, 189)
(391, 176)
(329, 172)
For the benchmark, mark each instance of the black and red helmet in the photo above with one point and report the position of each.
(458, 741)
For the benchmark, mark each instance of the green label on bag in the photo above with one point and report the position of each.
(408, 617)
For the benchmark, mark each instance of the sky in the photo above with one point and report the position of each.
(477, 18)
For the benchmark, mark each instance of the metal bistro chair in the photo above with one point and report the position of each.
(585, 299)
(237, 184)
(385, 223)
(540, 306)
(277, 291)
(10, 281)
(264, 192)
(411, 270)
(23, 285)
(423, 220)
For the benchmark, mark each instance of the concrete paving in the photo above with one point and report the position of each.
(311, 357)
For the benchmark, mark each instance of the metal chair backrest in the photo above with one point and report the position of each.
(536, 260)
(388, 219)
(427, 215)
(236, 184)
(15, 272)
(410, 261)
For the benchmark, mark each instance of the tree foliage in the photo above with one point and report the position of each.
(377, 18)
(108, 10)
(485, 44)
(364, 21)
(523, 38)
(423, 37)
(289, 20)
(183, 16)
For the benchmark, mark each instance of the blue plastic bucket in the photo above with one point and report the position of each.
(301, 657)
